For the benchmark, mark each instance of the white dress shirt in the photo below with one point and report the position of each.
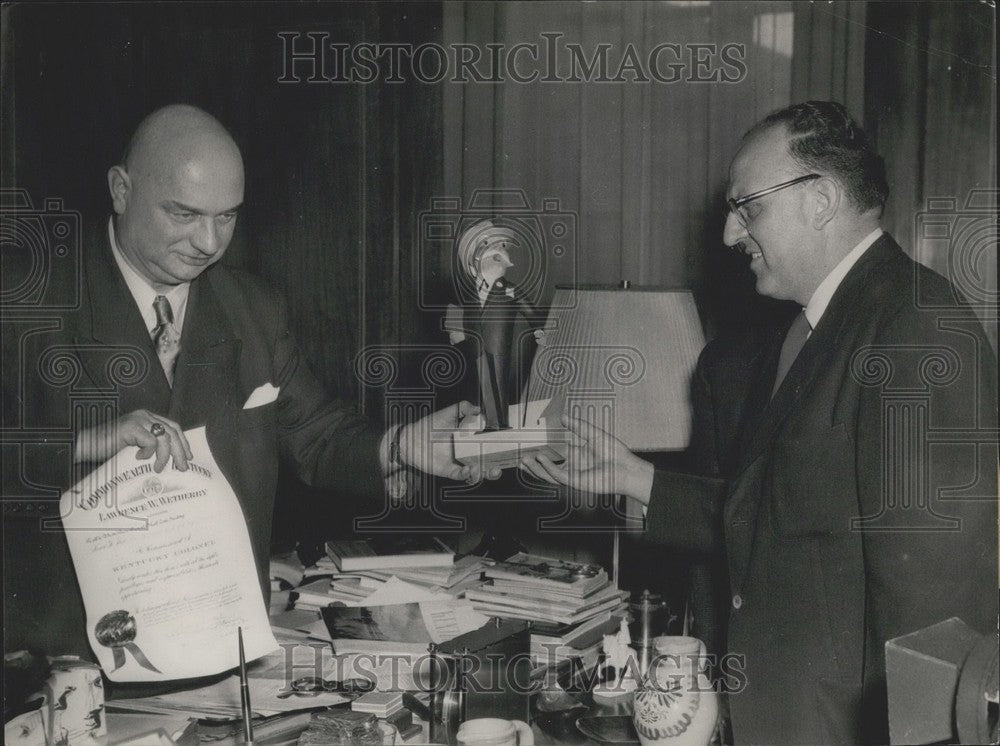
(143, 293)
(820, 299)
(824, 293)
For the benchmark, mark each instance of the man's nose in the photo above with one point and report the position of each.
(734, 231)
(206, 238)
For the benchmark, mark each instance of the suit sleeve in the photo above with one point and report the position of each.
(931, 551)
(685, 511)
(326, 441)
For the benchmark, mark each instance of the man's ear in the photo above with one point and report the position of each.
(120, 186)
(828, 197)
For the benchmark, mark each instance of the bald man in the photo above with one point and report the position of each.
(165, 339)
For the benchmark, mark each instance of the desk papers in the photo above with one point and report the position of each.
(221, 701)
(431, 621)
(165, 568)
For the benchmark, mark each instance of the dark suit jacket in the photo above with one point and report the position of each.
(96, 362)
(888, 414)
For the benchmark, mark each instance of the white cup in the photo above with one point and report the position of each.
(495, 732)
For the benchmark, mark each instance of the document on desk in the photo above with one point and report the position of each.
(165, 567)
(431, 621)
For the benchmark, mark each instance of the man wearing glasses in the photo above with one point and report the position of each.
(857, 498)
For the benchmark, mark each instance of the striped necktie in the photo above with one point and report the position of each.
(796, 336)
(166, 338)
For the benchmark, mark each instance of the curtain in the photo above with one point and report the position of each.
(641, 166)
(930, 101)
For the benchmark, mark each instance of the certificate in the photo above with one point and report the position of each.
(165, 567)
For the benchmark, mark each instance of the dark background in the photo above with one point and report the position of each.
(338, 174)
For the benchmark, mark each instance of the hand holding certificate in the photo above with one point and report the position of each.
(165, 568)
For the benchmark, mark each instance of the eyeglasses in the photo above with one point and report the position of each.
(737, 205)
(312, 686)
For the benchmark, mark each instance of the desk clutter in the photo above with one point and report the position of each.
(406, 652)
(570, 605)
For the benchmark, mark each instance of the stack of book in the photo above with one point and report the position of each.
(390, 551)
(552, 644)
(541, 589)
(358, 568)
(423, 560)
(465, 573)
(350, 590)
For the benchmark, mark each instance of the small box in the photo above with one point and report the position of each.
(499, 668)
(379, 704)
(922, 671)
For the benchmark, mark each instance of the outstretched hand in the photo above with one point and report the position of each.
(99, 443)
(597, 462)
(427, 444)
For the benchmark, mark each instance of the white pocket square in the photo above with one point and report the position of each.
(262, 395)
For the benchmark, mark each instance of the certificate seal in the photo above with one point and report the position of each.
(151, 487)
(117, 630)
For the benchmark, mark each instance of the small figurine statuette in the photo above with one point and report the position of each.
(490, 306)
(620, 666)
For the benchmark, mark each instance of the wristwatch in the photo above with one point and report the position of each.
(395, 458)
(395, 478)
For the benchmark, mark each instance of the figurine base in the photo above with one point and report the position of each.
(504, 449)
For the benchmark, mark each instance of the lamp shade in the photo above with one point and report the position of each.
(631, 352)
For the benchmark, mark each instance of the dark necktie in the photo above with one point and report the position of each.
(166, 337)
(796, 336)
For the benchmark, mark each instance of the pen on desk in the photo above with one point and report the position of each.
(432, 705)
(245, 694)
(460, 685)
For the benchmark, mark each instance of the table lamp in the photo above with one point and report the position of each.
(622, 356)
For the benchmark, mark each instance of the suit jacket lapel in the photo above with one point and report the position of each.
(116, 327)
(205, 377)
(740, 509)
(813, 357)
(747, 488)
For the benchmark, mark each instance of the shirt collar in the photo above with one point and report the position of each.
(143, 293)
(824, 293)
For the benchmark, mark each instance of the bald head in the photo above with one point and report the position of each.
(177, 132)
(176, 194)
